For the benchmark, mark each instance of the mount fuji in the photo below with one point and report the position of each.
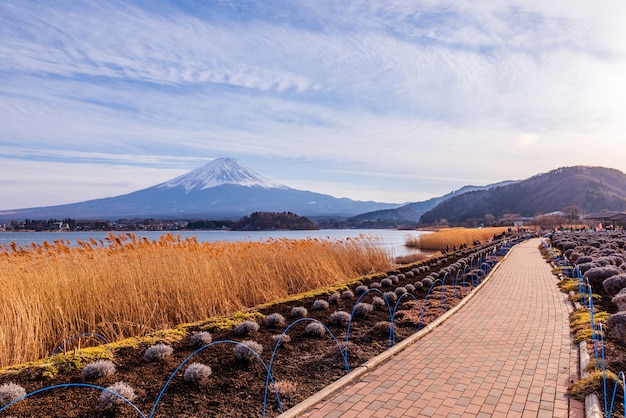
(221, 189)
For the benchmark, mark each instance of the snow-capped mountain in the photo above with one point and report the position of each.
(221, 189)
(218, 172)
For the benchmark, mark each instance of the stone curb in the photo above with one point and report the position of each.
(384, 356)
(592, 402)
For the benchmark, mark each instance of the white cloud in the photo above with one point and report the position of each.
(429, 95)
(31, 183)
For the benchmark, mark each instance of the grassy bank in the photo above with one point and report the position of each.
(452, 237)
(129, 286)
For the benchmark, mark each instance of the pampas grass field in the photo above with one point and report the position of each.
(452, 237)
(127, 286)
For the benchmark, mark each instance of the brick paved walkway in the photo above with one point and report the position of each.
(506, 353)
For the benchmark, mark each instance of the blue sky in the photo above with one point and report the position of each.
(392, 101)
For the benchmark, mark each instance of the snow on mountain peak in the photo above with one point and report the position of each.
(220, 171)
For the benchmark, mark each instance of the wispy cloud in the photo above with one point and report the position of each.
(428, 95)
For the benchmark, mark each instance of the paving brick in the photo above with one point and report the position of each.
(507, 352)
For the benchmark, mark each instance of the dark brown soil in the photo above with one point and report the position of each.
(301, 367)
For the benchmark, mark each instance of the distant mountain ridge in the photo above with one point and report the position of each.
(224, 189)
(221, 189)
(412, 212)
(592, 189)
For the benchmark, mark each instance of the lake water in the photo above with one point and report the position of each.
(390, 239)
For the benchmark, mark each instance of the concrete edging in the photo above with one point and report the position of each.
(384, 356)
(592, 402)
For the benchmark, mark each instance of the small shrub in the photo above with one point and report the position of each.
(299, 312)
(614, 284)
(158, 352)
(320, 305)
(375, 285)
(574, 256)
(386, 282)
(391, 297)
(362, 309)
(409, 274)
(418, 284)
(427, 282)
(339, 318)
(10, 392)
(594, 382)
(378, 303)
(274, 319)
(347, 294)
(109, 401)
(360, 290)
(604, 261)
(400, 291)
(315, 329)
(201, 339)
(243, 353)
(568, 285)
(597, 275)
(394, 278)
(620, 300)
(409, 288)
(616, 325)
(585, 267)
(568, 246)
(97, 370)
(197, 373)
(334, 298)
(285, 340)
(246, 327)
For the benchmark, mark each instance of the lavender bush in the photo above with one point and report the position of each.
(201, 339)
(97, 370)
(339, 318)
(320, 305)
(275, 319)
(299, 312)
(109, 401)
(9, 392)
(362, 309)
(197, 373)
(315, 329)
(246, 327)
(243, 353)
(158, 352)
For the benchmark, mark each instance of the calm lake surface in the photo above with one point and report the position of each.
(390, 239)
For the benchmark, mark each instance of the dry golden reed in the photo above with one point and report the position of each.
(411, 258)
(453, 237)
(128, 286)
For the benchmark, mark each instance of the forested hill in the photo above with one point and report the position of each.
(592, 189)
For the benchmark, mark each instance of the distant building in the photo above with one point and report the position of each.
(515, 219)
(607, 219)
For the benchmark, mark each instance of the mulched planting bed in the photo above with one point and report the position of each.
(600, 258)
(302, 366)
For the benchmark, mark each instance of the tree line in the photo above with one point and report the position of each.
(257, 221)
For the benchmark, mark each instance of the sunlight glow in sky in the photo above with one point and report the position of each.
(390, 101)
